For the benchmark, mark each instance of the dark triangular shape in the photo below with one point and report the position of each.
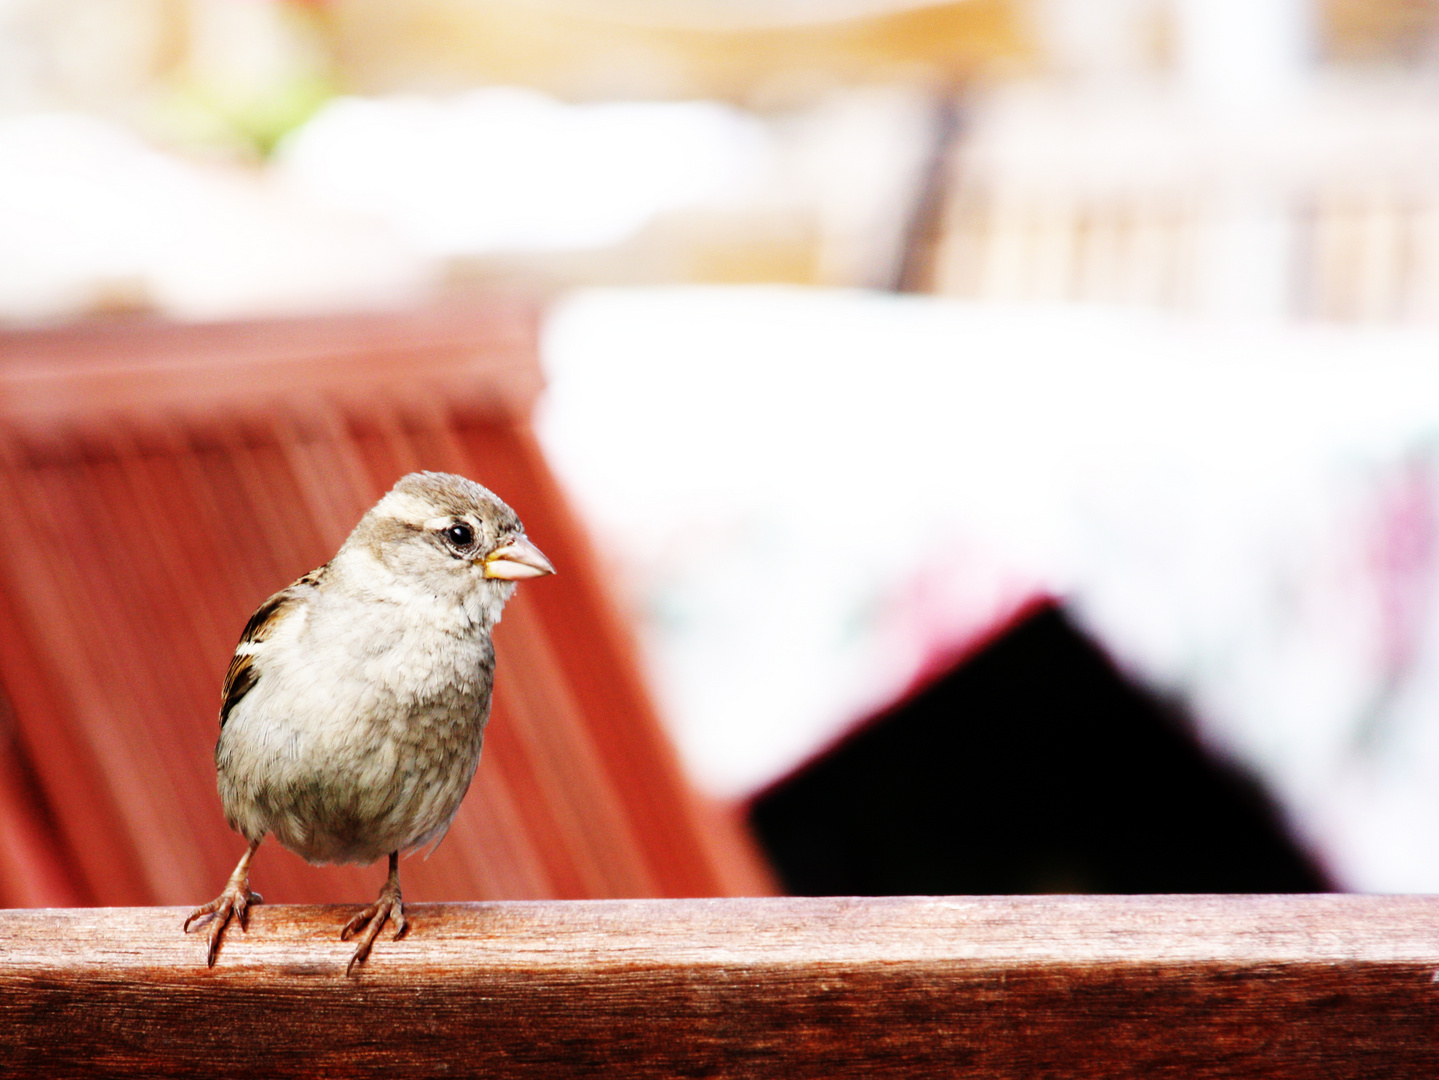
(1033, 766)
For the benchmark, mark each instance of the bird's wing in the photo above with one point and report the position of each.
(240, 679)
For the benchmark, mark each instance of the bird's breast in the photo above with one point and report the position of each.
(352, 745)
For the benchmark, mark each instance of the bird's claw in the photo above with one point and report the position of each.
(235, 903)
(388, 907)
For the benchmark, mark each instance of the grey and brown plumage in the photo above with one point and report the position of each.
(354, 708)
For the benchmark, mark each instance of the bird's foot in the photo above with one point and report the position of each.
(388, 906)
(235, 903)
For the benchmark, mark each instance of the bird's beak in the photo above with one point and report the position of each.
(517, 561)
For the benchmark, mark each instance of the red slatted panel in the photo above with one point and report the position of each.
(34, 870)
(158, 482)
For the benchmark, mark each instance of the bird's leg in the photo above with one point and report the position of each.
(387, 906)
(235, 900)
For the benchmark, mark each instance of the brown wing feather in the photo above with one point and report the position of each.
(241, 677)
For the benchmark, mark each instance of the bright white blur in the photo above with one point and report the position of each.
(504, 169)
(818, 493)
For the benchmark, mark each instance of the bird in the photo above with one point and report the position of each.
(353, 711)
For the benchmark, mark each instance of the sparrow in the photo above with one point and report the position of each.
(353, 711)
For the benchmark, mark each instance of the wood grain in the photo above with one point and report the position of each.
(1259, 986)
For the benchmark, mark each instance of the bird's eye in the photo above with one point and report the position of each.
(460, 535)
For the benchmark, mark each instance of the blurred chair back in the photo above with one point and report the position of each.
(158, 481)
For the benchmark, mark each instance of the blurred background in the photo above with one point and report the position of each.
(996, 442)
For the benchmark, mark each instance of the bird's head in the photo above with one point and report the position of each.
(451, 538)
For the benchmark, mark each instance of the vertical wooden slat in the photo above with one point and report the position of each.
(120, 587)
(42, 687)
(34, 868)
(568, 766)
(496, 847)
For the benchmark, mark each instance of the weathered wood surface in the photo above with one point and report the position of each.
(1298, 986)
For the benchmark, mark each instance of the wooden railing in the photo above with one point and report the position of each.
(1195, 987)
